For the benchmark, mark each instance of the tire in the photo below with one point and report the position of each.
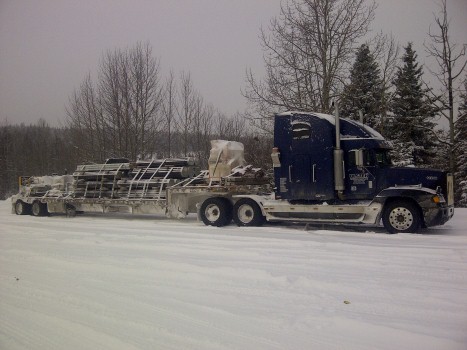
(247, 212)
(402, 216)
(22, 208)
(216, 211)
(39, 209)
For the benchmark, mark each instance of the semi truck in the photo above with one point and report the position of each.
(326, 169)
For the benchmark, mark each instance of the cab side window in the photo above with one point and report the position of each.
(382, 157)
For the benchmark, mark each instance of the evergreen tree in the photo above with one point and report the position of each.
(412, 112)
(442, 154)
(461, 152)
(363, 93)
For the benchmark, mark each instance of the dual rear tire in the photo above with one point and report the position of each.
(246, 212)
(39, 209)
(36, 208)
(22, 208)
(218, 211)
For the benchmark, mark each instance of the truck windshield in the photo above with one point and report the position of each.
(382, 157)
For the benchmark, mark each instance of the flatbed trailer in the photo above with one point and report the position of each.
(111, 188)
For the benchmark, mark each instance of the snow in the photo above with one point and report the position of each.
(145, 282)
(330, 118)
(372, 132)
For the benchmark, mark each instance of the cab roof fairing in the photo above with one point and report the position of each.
(330, 118)
(363, 129)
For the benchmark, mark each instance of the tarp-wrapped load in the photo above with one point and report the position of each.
(225, 156)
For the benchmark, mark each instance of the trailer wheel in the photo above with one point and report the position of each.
(22, 208)
(247, 212)
(39, 209)
(402, 216)
(216, 211)
(70, 211)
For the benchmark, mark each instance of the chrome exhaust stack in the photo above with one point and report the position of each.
(338, 159)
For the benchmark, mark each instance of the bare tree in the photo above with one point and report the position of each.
(310, 46)
(202, 127)
(86, 120)
(118, 116)
(145, 97)
(386, 51)
(169, 110)
(112, 72)
(233, 128)
(451, 63)
(186, 109)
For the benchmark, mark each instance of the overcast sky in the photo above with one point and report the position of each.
(48, 46)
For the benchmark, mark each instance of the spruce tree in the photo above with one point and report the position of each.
(412, 121)
(461, 152)
(364, 90)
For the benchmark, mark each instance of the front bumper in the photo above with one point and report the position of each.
(438, 215)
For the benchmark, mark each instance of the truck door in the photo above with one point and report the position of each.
(360, 180)
(300, 175)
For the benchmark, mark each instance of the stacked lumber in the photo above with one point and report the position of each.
(127, 180)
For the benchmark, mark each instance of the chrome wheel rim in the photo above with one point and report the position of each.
(245, 213)
(212, 212)
(401, 218)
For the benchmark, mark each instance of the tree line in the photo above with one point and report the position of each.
(313, 57)
(32, 150)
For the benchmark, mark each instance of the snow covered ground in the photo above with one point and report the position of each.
(124, 282)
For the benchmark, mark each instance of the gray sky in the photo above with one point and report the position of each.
(48, 46)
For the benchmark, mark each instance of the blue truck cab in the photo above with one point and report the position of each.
(345, 166)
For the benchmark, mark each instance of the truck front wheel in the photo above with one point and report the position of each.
(246, 212)
(401, 216)
(216, 211)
